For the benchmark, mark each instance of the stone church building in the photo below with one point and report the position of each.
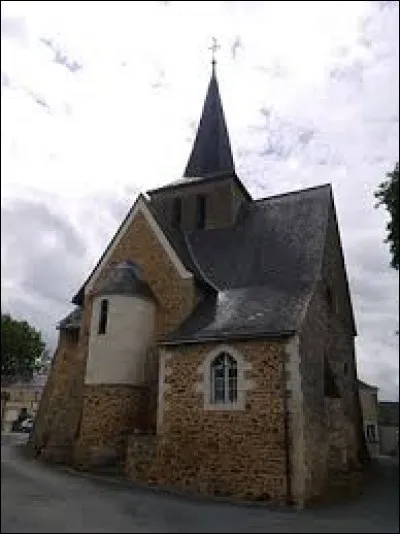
(212, 346)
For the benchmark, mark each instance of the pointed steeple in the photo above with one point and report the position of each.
(211, 153)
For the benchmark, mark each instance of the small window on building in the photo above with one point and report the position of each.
(345, 368)
(224, 379)
(370, 433)
(177, 212)
(103, 317)
(201, 212)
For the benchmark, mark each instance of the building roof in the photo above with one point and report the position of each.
(173, 235)
(125, 279)
(183, 183)
(388, 414)
(72, 321)
(258, 275)
(263, 269)
(211, 152)
(364, 385)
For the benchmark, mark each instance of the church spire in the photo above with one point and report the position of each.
(211, 153)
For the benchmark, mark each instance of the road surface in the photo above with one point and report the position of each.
(40, 498)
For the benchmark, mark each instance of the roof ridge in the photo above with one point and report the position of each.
(298, 191)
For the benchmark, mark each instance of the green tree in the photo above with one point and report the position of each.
(22, 348)
(388, 195)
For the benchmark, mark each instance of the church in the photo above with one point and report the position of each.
(211, 348)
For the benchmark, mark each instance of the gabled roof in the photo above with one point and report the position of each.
(211, 152)
(170, 238)
(258, 275)
(264, 269)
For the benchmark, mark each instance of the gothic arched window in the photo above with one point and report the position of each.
(223, 379)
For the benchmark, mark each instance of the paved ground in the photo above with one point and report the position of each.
(38, 498)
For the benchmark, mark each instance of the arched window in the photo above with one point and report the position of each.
(223, 379)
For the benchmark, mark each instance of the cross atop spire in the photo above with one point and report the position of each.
(211, 153)
(214, 47)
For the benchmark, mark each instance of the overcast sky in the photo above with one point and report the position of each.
(101, 100)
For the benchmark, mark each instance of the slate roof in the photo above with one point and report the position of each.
(258, 275)
(176, 238)
(211, 150)
(388, 414)
(263, 270)
(206, 179)
(72, 321)
(125, 279)
(364, 385)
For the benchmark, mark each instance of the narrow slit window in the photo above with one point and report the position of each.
(201, 212)
(103, 316)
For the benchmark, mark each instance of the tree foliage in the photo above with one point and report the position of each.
(388, 195)
(21, 348)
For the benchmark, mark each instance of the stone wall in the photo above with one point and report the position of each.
(327, 332)
(342, 328)
(240, 452)
(320, 339)
(140, 457)
(58, 422)
(58, 418)
(369, 407)
(110, 414)
(223, 199)
(176, 296)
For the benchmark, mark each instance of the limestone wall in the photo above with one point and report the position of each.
(119, 355)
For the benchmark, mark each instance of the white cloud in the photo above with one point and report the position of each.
(311, 96)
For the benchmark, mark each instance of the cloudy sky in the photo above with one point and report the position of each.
(101, 100)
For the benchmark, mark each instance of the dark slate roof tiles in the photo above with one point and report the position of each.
(241, 313)
(72, 321)
(211, 152)
(125, 279)
(264, 268)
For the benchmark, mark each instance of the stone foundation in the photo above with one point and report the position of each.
(110, 414)
(140, 457)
